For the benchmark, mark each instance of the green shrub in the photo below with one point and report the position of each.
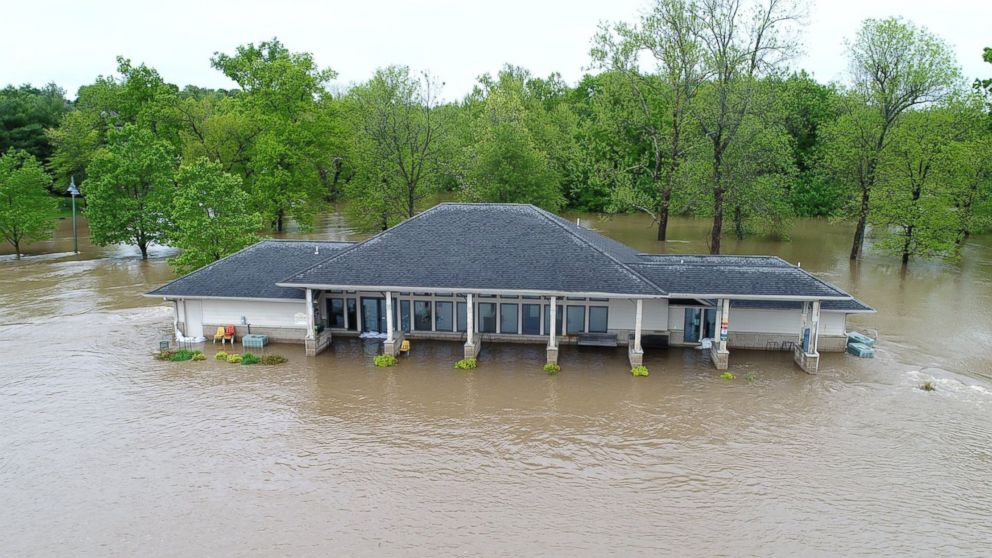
(928, 386)
(198, 355)
(221, 355)
(181, 355)
(233, 358)
(466, 364)
(383, 361)
(639, 371)
(727, 376)
(249, 358)
(274, 359)
(164, 354)
(750, 377)
(551, 368)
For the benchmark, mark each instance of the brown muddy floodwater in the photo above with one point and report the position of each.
(106, 452)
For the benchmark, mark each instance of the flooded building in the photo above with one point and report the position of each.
(494, 273)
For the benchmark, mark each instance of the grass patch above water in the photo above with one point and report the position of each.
(551, 368)
(383, 361)
(727, 376)
(274, 359)
(249, 358)
(466, 364)
(639, 371)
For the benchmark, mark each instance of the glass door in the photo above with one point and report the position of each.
(691, 325)
(373, 315)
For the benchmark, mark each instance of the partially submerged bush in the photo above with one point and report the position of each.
(221, 355)
(552, 368)
(164, 354)
(727, 376)
(234, 358)
(466, 364)
(198, 355)
(274, 359)
(383, 361)
(249, 358)
(181, 355)
(750, 377)
(639, 371)
(928, 386)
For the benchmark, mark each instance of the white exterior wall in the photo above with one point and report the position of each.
(783, 321)
(192, 315)
(256, 312)
(654, 314)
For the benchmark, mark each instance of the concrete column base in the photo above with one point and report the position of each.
(636, 357)
(393, 347)
(809, 362)
(721, 359)
(316, 345)
(472, 348)
(553, 355)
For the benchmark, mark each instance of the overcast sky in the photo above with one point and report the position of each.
(71, 42)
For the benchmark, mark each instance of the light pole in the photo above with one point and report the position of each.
(74, 192)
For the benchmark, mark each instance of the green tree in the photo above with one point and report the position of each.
(669, 36)
(26, 208)
(895, 66)
(210, 215)
(137, 95)
(399, 135)
(129, 189)
(508, 165)
(282, 137)
(25, 113)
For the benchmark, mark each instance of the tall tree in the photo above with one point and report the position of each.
(742, 41)
(894, 67)
(284, 139)
(129, 189)
(25, 113)
(137, 95)
(669, 35)
(210, 215)
(398, 138)
(26, 208)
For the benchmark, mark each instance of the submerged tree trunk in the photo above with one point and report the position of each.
(717, 232)
(143, 246)
(738, 223)
(280, 214)
(17, 249)
(666, 196)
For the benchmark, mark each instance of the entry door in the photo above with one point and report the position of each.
(374, 315)
(691, 327)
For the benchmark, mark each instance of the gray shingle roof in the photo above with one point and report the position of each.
(850, 305)
(252, 272)
(733, 275)
(485, 246)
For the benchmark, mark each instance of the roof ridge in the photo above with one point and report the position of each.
(357, 245)
(547, 215)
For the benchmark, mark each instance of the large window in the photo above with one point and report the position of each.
(444, 315)
(576, 320)
(531, 319)
(422, 315)
(559, 322)
(508, 318)
(335, 312)
(405, 315)
(487, 317)
(352, 314)
(462, 319)
(598, 319)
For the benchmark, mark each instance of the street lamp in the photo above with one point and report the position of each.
(74, 192)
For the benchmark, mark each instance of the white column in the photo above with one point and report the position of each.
(724, 319)
(804, 325)
(469, 318)
(389, 317)
(639, 306)
(553, 316)
(814, 341)
(310, 325)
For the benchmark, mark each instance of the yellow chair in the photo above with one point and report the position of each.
(405, 346)
(219, 334)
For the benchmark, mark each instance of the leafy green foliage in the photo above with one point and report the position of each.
(274, 359)
(552, 368)
(210, 215)
(384, 361)
(129, 189)
(234, 358)
(727, 376)
(182, 355)
(250, 358)
(639, 371)
(25, 113)
(164, 354)
(26, 208)
(221, 355)
(198, 356)
(466, 364)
